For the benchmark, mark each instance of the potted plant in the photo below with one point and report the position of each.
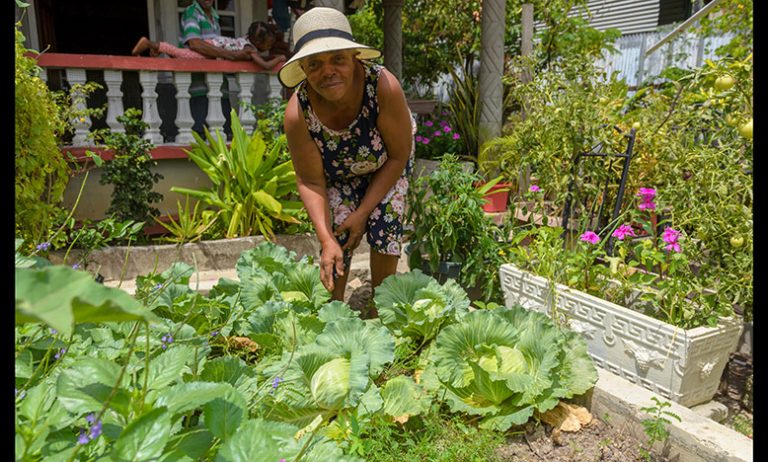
(451, 236)
(644, 313)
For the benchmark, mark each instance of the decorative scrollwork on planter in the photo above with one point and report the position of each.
(608, 337)
(644, 358)
(705, 369)
(583, 328)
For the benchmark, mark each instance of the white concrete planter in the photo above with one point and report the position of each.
(683, 366)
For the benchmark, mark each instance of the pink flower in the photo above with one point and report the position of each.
(446, 128)
(670, 235)
(647, 194)
(456, 136)
(437, 133)
(418, 138)
(623, 231)
(647, 206)
(425, 140)
(534, 188)
(590, 237)
(428, 123)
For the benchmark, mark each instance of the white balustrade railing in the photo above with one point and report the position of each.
(215, 71)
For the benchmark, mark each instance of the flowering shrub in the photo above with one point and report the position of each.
(649, 270)
(435, 137)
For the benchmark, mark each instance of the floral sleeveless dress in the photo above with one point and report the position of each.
(350, 158)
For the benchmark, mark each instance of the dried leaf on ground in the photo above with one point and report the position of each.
(567, 417)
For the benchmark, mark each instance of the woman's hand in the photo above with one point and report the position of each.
(355, 224)
(331, 257)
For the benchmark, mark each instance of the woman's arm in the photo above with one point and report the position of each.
(310, 180)
(394, 124)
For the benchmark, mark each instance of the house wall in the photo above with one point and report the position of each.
(96, 198)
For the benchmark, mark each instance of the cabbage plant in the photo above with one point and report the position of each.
(332, 374)
(507, 364)
(416, 306)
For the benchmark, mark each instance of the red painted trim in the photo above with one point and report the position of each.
(158, 153)
(140, 63)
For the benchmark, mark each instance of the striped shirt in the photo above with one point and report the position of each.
(196, 24)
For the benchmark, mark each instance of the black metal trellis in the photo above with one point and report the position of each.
(599, 150)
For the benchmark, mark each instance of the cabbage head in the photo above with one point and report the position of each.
(508, 363)
(330, 383)
(416, 306)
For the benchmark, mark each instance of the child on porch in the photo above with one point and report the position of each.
(255, 46)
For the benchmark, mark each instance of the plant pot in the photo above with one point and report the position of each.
(684, 366)
(496, 199)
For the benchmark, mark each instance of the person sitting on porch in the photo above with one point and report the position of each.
(255, 46)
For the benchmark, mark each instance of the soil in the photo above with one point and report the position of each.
(599, 441)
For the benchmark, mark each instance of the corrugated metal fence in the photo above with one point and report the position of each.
(686, 51)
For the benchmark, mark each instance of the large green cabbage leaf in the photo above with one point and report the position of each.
(332, 374)
(416, 306)
(507, 364)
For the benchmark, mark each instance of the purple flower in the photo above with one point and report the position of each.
(590, 237)
(54, 331)
(276, 383)
(90, 418)
(95, 430)
(425, 140)
(60, 353)
(166, 340)
(418, 138)
(214, 333)
(446, 128)
(675, 247)
(43, 246)
(76, 266)
(83, 438)
(456, 136)
(428, 123)
(437, 133)
(158, 287)
(623, 231)
(534, 188)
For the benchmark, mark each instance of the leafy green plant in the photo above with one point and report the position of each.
(190, 226)
(435, 137)
(449, 225)
(464, 107)
(416, 306)
(655, 426)
(41, 172)
(129, 171)
(251, 186)
(504, 365)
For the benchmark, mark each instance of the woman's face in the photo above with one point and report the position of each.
(331, 74)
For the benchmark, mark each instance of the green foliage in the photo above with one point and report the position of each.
(731, 17)
(251, 185)
(655, 427)
(449, 225)
(41, 172)
(504, 365)
(191, 226)
(435, 137)
(163, 375)
(129, 171)
(416, 306)
(465, 108)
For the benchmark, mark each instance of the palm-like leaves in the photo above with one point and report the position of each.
(249, 187)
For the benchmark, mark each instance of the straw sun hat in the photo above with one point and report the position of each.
(317, 31)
